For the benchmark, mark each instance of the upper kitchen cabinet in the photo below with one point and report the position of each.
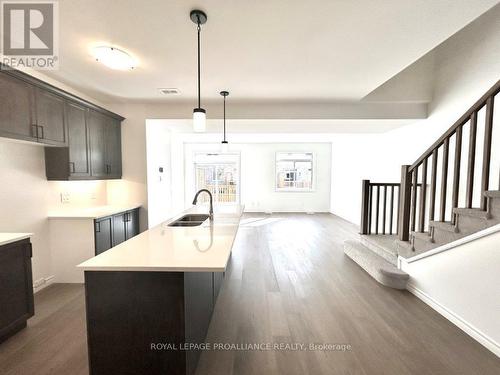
(97, 135)
(79, 148)
(105, 145)
(17, 119)
(113, 148)
(94, 147)
(72, 162)
(83, 140)
(50, 118)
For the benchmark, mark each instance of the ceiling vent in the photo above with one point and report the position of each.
(170, 91)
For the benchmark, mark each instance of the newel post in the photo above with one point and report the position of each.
(365, 204)
(404, 204)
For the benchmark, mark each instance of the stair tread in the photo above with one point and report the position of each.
(492, 193)
(422, 235)
(444, 225)
(382, 245)
(475, 212)
(379, 268)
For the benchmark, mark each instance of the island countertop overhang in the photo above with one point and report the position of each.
(204, 248)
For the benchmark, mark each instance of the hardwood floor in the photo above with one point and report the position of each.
(289, 282)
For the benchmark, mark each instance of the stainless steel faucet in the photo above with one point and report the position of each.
(211, 212)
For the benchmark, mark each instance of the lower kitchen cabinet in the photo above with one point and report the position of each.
(172, 308)
(103, 235)
(16, 287)
(113, 230)
(132, 223)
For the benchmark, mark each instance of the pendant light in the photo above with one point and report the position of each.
(199, 114)
(224, 143)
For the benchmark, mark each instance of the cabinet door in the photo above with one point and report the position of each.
(16, 286)
(50, 118)
(16, 109)
(198, 300)
(132, 223)
(113, 148)
(119, 228)
(78, 139)
(103, 235)
(218, 279)
(97, 130)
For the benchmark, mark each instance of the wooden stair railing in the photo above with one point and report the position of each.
(415, 198)
(413, 201)
(378, 218)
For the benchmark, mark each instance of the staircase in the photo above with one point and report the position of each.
(436, 202)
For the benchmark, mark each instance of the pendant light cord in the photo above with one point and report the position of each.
(224, 118)
(199, 63)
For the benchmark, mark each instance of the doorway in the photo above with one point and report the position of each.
(219, 174)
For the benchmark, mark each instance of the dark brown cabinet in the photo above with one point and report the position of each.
(173, 307)
(78, 138)
(113, 148)
(72, 162)
(103, 235)
(94, 147)
(119, 224)
(17, 119)
(84, 139)
(97, 132)
(113, 230)
(50, 118)
(132, 223)
(16, 287)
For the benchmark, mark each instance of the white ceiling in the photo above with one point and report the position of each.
(289, 50)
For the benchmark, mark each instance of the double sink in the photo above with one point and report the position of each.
(189, 220)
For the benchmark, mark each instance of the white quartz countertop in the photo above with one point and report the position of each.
(183, 249)
(89, 212)
(6, 238)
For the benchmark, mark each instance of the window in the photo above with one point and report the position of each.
(294, 171)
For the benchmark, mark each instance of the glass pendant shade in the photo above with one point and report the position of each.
(199, 120)
(224, 147)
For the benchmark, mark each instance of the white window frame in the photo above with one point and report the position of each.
(295, 190)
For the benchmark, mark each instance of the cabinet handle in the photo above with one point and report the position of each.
(97, 226)
(72, 167)
(34, 130)
(41, 127)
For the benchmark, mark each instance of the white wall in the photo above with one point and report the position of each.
(466, 66)
(159, 183)
(462, 285)
(258, 176)
(26, 197)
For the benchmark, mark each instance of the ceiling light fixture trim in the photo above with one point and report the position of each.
(114, 58)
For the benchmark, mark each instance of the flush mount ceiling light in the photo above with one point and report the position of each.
(199, 114)
(224, 143)
(114, 58)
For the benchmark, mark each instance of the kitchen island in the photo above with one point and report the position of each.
(152, 296)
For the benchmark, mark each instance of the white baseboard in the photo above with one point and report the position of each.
(40, 284)
(468, 328)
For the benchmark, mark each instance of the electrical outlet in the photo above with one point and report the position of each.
(64, 197)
